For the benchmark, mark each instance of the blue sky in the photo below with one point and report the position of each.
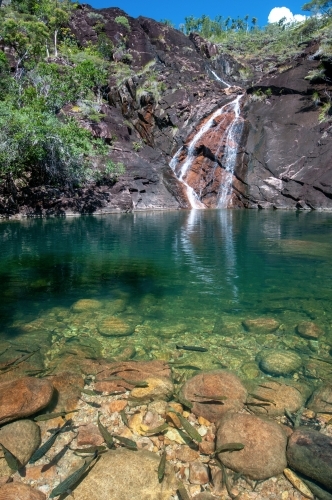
(177, 10)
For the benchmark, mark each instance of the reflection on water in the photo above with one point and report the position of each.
(152, 280)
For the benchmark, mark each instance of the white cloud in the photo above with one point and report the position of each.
(278, 13)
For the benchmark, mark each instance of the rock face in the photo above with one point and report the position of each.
(23, 397)
(21, 438)
(20, 491)
(121, 474)
(309, 452)
(213, 384)
(264, 452)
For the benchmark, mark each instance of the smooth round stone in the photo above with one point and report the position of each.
(261, 325)
(21, 438)
(321, 399)
(84, 305)
(115, 306)
(264, 452)
(280, 396)
(112, 326)
(250, 370)
(279, 362)
(309, 330)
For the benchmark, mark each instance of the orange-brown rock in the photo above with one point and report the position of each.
(23, 397)
(66, 391)
(198, 473)
(89, 434)
(277, 397)
(20, 491)
(261, 325)
(309, 330)
(186, 454)
(264, 452)
(117, 405)
(21, 438)
(213, 384)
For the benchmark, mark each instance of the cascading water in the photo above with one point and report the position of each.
(227, 143)
(219, 79)
(230, 156)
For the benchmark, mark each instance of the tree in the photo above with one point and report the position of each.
(316, 6)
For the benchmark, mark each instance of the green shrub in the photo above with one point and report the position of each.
(123, 21)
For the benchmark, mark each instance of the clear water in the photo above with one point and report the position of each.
(187, 277)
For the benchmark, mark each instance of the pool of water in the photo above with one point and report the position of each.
(143, 283)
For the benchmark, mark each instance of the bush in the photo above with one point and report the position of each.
(123, 21)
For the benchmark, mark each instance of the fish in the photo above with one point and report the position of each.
(187, 427)
(71, 480)
(90, 450)
(91, 403)
(48, 444)
(128, 443)
(261, 398)
(106, 435)
(162, 466)
(157, 430)
(321, 359)
(185, 402)
(89, 392)
(214, 398)
(11, 460)
(258, 404)
(266, 387)
(191, 348)
(210, 402)
(49, 416)
(181, 490)
(124, 418)
(228, 447)
(226, 479)
(55, 459)
(188, 367)
(289, 416)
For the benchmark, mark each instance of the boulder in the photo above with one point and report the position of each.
(157, 388)
(213, 384)
(66, 391)
(21, 438)
(20, 491)
(310, 453)
(275, 399)
(23, 397)
(86, 305)
(112, 326)
(261, 325)
(309, 330)
(264, 452)
(124, 475)
(277, 362)
(321, 399)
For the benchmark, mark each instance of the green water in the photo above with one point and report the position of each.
(174, 278)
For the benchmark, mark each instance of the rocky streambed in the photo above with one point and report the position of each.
(148, 430)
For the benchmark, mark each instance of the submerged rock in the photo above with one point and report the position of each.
(66, 391)
(309, 330)
(279, 362)
(20, 491)
(310, 453)
(85, 305)
(275, 398)
(21, 438)
(264, 452)
(125, 475)
(23, 397)
(112, 326)
(261, 325)
(321, 399)
(157, 388)
(213, 384)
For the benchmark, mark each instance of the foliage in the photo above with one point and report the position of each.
(123, 21)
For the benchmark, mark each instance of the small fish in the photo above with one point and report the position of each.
(191, 348)
(214, 398)
(321, 359)
(91, 403)
(162, 466)
(210, 402)
(182, 491)
(106, 435)
(266, 387)
(49, 416)
(258, 404)
(48, 444)
(89, 392)
(187, 427)
(90, 450)
(289, 416)
(55, 459)
(185, 402)
(226, 478)
(157, 430)
(188, 367)
(261, 398)
(11, 460)
(71, 480)
(228, 447)
(128, 443)
(124, 418)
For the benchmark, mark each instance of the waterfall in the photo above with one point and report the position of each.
(228, 144)
(219, 79)
(233, 132)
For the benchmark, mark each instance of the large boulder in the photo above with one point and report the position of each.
(310, 453)
(124, 475)
(271, 398)
(264, 452)
(23, 397)
(205, 386)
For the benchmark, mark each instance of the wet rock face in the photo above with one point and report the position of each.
(264, 452)
(309, 452)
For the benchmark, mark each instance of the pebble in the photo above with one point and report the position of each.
(198, 473)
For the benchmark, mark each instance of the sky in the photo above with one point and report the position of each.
(177, 10)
